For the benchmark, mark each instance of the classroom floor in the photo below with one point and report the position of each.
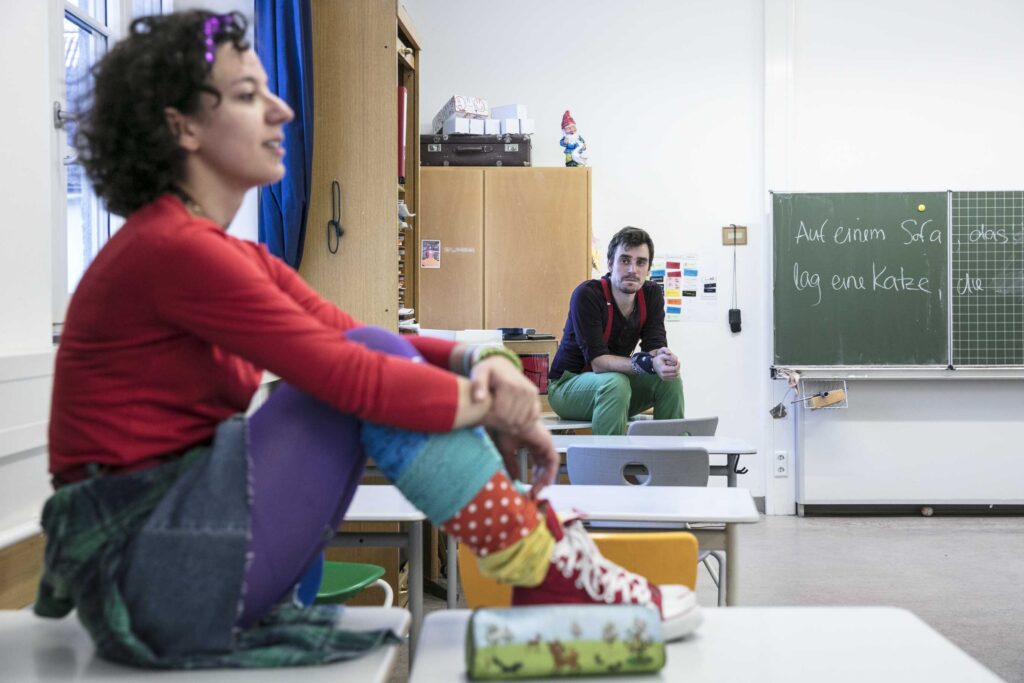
(961, 575)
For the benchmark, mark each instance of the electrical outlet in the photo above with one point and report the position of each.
(780, 466)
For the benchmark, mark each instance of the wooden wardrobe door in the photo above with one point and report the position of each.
(452, 210)
(355, 118)
(537, 237)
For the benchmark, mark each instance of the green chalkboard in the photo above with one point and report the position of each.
(861, 279)
(988, 278)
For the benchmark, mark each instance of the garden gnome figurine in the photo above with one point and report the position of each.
(574, 145)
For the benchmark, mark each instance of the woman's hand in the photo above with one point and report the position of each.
(514, 404)
(537, 441)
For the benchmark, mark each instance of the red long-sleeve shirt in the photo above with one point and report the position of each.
(169, 330)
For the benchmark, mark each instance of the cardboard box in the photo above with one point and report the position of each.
(455, 125)
(509, 126)
(510, 111)
(527, 126)
(462, 106)
(476, 126)
(492, 127)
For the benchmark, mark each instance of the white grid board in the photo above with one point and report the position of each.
(988, 278)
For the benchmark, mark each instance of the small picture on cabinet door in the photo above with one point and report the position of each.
(430, 253)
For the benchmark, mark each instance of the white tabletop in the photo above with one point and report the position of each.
(383, 503)
(34, 649)
(764, 644)
(713, 444)
(557, 424)
(655, 503)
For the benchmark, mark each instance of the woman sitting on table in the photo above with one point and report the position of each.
(179, 527)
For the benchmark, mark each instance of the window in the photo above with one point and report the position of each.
(87, 223)
(90, 27)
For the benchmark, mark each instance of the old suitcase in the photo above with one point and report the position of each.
(474, 150)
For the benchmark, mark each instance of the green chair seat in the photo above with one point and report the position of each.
(343, 580)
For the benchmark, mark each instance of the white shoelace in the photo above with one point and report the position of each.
(599, 577)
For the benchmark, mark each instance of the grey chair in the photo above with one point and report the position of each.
(638, 466)
(684, 466)
(690, 426)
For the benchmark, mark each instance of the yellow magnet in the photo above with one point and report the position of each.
(920, 207)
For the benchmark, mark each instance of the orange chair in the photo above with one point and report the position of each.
(662, 557)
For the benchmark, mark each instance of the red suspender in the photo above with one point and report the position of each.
(610, 312)
(608, 323)
(641, 302)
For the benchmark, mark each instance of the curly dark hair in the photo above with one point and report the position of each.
(630, 237)
(124, 143)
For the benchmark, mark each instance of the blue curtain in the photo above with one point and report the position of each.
(283, 36)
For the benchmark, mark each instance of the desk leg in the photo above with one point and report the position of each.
(453, 572)
(732, 461)
(732, 571)
(415, 584)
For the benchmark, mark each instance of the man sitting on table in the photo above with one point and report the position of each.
(595, 375)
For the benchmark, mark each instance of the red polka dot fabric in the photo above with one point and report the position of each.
(497, 517)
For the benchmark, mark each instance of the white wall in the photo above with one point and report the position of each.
(25, 178)
(25, 285)
(694, 110)
(668, 96)
(886, 96)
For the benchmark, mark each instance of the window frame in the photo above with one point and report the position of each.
(118, 18)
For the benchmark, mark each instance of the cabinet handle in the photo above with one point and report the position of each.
(334, 227)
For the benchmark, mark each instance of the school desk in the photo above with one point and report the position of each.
(36, 650)
(764, 644)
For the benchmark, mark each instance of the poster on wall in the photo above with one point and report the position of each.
(690, 282)
(430, 253)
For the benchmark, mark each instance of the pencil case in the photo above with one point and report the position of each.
(563, 640)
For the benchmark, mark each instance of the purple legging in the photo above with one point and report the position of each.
(306, 462)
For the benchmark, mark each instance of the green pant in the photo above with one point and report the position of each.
(607, 399)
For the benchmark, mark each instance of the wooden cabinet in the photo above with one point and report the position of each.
(409, 190)
(362, 51)
(452, 210)
(515, 242)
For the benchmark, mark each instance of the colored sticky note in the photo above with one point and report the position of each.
(690, 272)
(658, 272)
(689, 292)
(675, 273)
(672, 292)
(672, 264)
(673, 309)
(674, 302)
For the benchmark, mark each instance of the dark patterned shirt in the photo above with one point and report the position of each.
(583, 336)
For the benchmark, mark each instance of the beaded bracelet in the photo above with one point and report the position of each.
(474, 356)
(643, 363)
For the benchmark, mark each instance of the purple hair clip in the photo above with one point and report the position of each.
(211, 27)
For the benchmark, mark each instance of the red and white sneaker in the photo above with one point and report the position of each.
(580, 574)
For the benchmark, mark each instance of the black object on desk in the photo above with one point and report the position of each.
(516, 333)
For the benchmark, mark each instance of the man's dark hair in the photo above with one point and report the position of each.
(123, 141)
(630, 237)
